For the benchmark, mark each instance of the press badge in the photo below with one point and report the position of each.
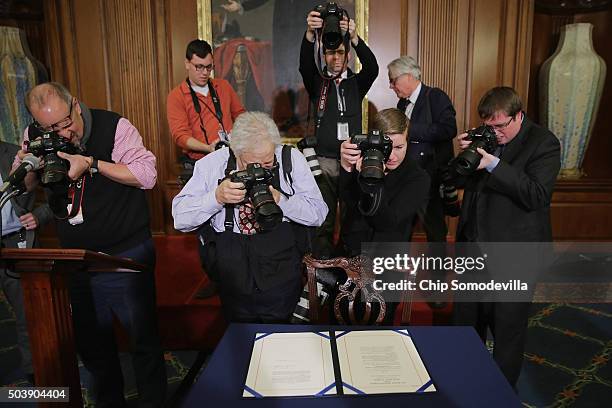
(77, 219)
(343, 131)
(22, 244)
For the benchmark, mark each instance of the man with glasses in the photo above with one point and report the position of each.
(338, 113)
(201, 113)
(201, 110)
(104, 209)
(432, 129)
(507, 200)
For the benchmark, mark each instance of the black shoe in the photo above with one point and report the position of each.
(207, 291)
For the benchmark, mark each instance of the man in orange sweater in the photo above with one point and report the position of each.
(201, 110)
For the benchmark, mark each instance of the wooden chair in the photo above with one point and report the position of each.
(348, 306)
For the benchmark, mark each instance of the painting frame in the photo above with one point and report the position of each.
(205, 32)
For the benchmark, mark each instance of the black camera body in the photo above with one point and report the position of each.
(256, 180)
(331, 14)
(46, 146)
(375, 150)
(468, 160)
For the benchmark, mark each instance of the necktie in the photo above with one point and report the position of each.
(246, 219)
(499, 150)
(409, 108)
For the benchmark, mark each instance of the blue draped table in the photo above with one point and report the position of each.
(462, 369)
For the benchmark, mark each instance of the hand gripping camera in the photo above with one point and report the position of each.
(468, 160)
(375, 149)
(46, 146)
(331, 14)
(256, 180)
(307, 147)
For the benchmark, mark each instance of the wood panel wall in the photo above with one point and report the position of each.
(113, 54)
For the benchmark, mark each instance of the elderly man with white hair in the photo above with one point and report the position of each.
(432, 129)
(256, 266)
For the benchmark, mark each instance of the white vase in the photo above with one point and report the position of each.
(571, 83)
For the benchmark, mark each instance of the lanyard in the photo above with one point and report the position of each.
(217, 113)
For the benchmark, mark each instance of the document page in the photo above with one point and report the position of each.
(290, 364)
(381, 362)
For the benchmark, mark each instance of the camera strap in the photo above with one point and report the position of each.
(76, 190)
(217, 113)
(322, 103)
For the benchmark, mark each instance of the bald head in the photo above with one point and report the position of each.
(53, 108)
(45, 94)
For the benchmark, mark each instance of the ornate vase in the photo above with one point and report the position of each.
(571, 83)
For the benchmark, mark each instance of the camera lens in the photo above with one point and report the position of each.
(267, 213)
(313, 162)
(372, 168)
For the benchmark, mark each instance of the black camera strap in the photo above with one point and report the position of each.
(217, 113)
(75, 192)
(322, 103)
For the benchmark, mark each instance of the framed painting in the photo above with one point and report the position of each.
(256, 47)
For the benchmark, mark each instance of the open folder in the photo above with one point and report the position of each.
(335, 363)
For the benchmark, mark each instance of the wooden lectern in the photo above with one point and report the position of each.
(45, 277)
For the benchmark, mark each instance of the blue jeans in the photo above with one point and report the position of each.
(130, 297)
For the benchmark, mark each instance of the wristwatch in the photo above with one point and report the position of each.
(93, 169)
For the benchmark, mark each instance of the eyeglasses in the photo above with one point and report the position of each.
(57, 126)
(331, 53)
(502, 126)
(201, 68)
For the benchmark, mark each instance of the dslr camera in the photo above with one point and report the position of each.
(46, 146)
(306, 146)
(375, 150)
(468, 160)
(256, 180)
(331, 14)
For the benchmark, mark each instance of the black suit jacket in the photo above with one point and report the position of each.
(431, 130)
(512, 203)
(405, 190)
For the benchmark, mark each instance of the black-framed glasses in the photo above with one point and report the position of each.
(60, 125)
(201, 68)
(502, 126)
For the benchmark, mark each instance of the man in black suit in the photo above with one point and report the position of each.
(507, 199)
(432, 129)
(19, 225)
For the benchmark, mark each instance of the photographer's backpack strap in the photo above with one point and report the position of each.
(229, 208)
(287, 167)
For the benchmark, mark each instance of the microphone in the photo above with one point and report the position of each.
(29, 163)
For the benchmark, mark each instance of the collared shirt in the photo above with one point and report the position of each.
(339, 95)
(413, 98)
(196, 203)
(200, 89)
(10, 220)
(128, 149)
